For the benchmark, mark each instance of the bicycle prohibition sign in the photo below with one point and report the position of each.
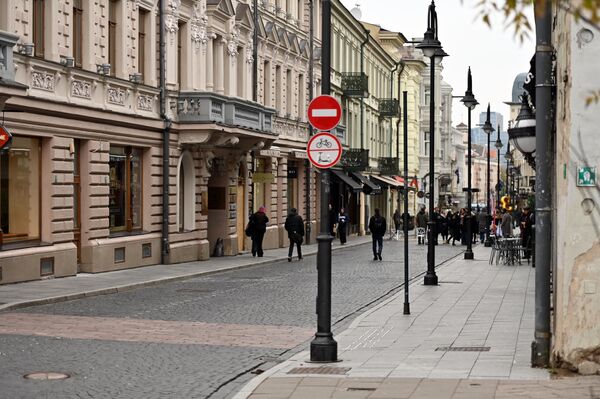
(324, 150)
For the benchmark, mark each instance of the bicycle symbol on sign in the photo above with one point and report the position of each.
(324, 142)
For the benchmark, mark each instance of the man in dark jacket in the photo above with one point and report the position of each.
(422, 220)
(258, 227)
(483, 222)
(526, 231)
(294, 225)
(377, 227)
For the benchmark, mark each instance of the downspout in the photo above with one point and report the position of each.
(165, 137)
(311, 39)
(362, 100)
(540, 348)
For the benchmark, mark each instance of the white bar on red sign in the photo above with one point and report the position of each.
(324, 113)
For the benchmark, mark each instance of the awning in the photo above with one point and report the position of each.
(387, 181)
(371, 188)
(354, 186)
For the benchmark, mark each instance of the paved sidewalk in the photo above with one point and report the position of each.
(14, 296)
(386, 354)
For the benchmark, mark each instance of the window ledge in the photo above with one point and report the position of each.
(128, 233)
(23, 244)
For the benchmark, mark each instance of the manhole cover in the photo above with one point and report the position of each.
(320, 370)
(46, 376)
(463, 348)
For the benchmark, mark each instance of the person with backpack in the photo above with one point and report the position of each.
(377, 227)
(294, 225)
(258, 228)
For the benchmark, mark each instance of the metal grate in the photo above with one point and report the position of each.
(320, 370)
(360, 389)
(463, 348)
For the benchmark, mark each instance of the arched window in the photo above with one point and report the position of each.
(186, 193)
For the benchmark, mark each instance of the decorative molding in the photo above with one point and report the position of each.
(249, 55)
(81, 88)
(115, 95)
(145, 102)
(232, 43)
(42, 80)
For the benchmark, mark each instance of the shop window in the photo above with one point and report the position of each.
(20, 191)
(259, 187)
(186, 194)
(125, 198)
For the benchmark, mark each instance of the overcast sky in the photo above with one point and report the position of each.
(495, 55)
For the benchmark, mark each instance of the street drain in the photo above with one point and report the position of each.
(361, 389)
(463, 348)
(46, 376)
(320, 370)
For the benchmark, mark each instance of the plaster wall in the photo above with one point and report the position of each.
(577, 215)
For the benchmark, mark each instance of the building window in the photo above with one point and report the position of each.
(20, 191)
(77, 32)
(112, 36)
(278, 89)
(267, 84)
(38, 27)
(289, 106)
(259, 188)
(125, 197)
(300, 11)
(143, 17)
(181, 59)
(426, 144)
(301, 96)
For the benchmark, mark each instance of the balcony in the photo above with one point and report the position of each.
(203, 107)
(389, 108)
(7, 68)
(355, 160)
(389, 166)
(355, 84)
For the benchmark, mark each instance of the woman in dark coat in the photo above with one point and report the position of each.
(258, 227)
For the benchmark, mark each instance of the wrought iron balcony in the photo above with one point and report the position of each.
(355, 160)
(216, 108)
(389, 107)
(389, 166)
(355, 84)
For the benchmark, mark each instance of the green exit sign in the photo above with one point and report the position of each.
(586, 176)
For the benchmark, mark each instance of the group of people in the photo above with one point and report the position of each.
(452, 226)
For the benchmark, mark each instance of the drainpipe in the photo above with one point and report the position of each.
(362, 100)
(165, 137)
(311, 40)
(540, 356)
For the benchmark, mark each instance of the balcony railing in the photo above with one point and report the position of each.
(355, 160)
(355, 84)
(201, 107)
(389, 166)
(389, 108)
(7, 67)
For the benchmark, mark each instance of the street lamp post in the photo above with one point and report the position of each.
(498, 146)
(489, 129)
(508, 158)
(323, 348)
(432, 48)
(470, 102)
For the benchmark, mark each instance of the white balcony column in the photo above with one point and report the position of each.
(207, 73)
(51, 45)
(230, 69)
(248, 72)
(219, 58)
(150, 74)
(171, 56)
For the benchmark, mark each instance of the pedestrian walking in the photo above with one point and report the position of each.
(474, 227)
(294, 225)
(483, 220)
(506, 224)
(436, 225)
(397, 217)
(456, 227)
(332, 220)
(422, 220)
(526, 225)
(446, 227)
(342, 225)
(258, 228)
(377, 227)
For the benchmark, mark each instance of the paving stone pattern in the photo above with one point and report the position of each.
(280, 294)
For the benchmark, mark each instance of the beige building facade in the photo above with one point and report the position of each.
(82, 182)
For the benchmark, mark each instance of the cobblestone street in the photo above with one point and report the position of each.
(199, 337)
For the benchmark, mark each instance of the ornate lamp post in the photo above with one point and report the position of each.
(489, 129)
(470, 102)
(432, 48)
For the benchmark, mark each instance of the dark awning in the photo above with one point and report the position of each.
(371, 188)
(354, 186)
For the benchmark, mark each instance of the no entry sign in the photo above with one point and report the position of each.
(5, 137)
(324, 112)
(324, 150)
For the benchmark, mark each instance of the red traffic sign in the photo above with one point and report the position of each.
(324, 150)
(5, 137)
(324, 112)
